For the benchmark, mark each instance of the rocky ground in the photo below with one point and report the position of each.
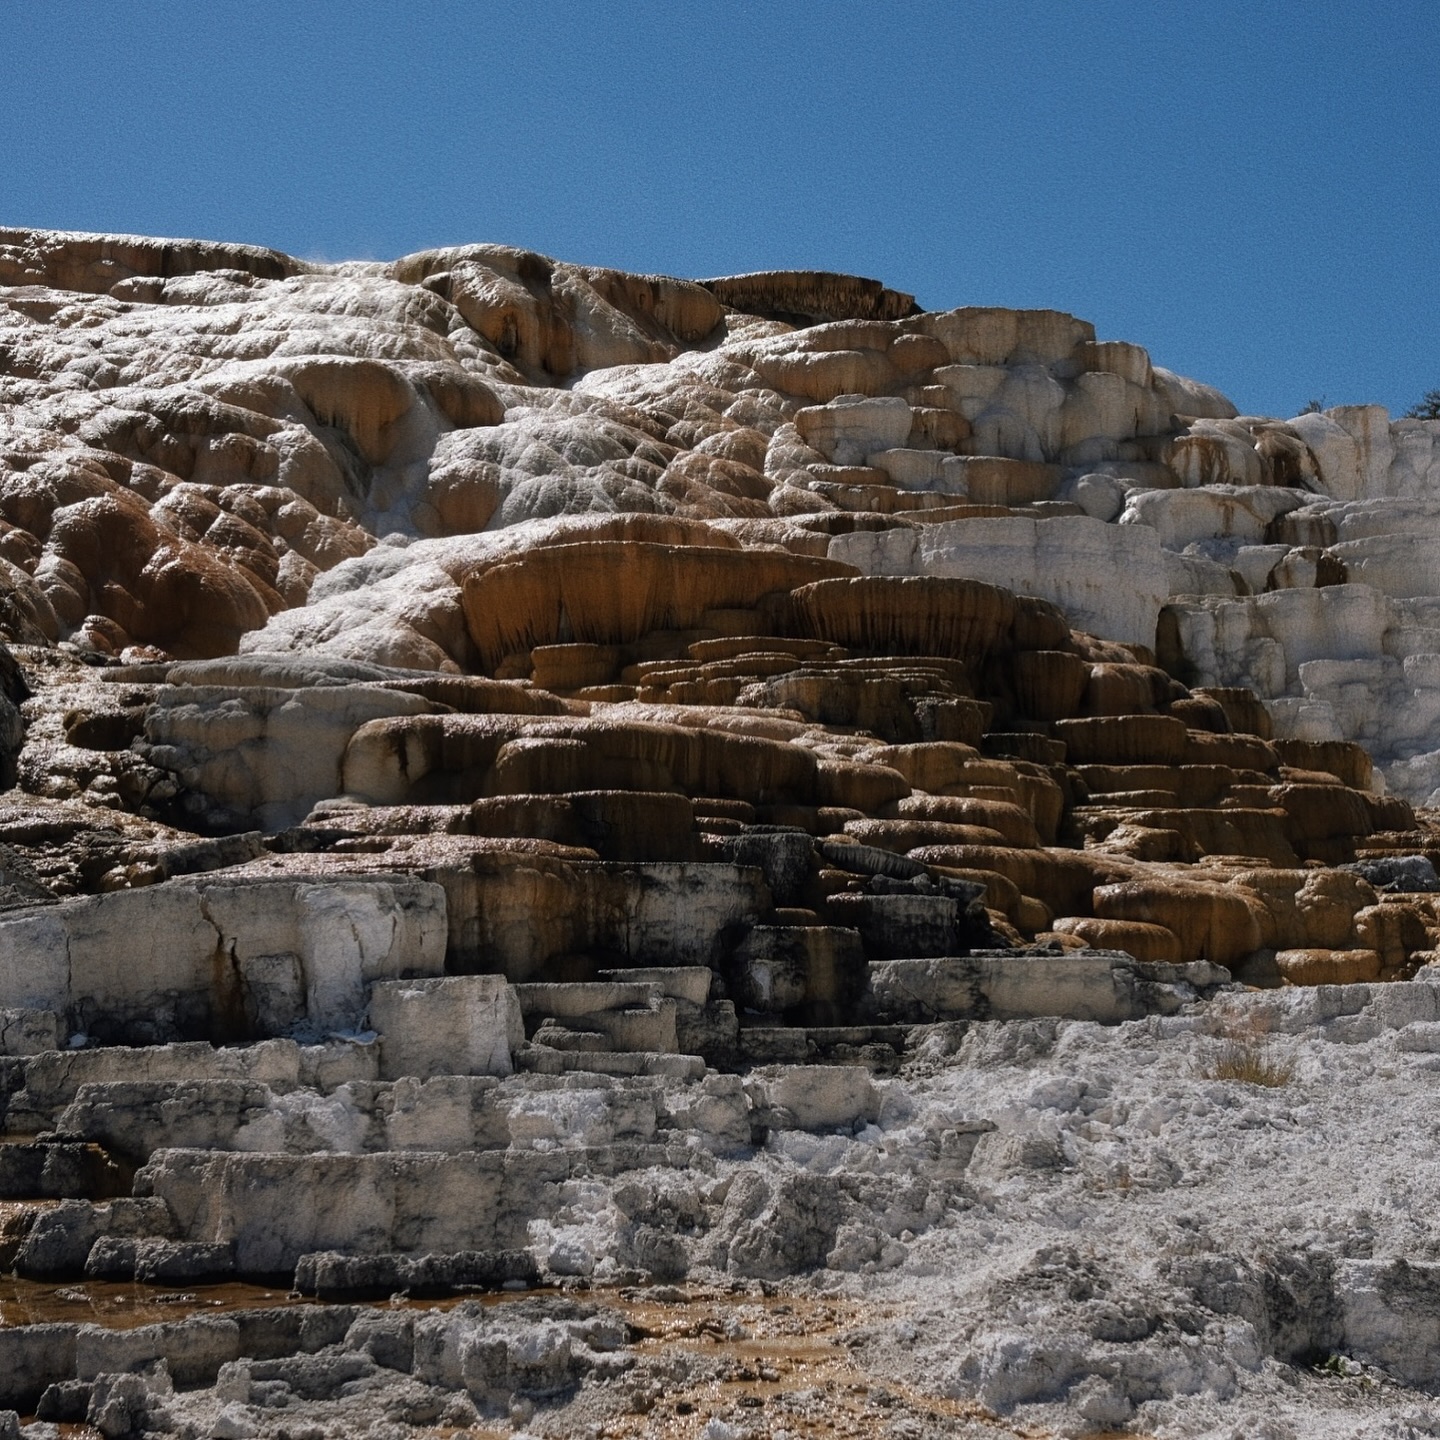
(1137, 1246)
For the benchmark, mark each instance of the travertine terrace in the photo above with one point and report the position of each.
(744, 795)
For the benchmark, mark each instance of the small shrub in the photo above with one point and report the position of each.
(1246, 1052)
(1427, 409)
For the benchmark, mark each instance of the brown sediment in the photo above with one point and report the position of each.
(119, 1305)
(124, 1305)
(780, 1362)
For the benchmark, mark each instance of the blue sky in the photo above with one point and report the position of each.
(1252, 191)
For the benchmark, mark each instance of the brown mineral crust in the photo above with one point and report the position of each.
(1347, 762)
(963, 619)
(610, 592)
(1143, 941)
(1049, 684)
(69, 260)
(904, 836)
(1229, 831)
(158, 588)
(808, 296)
(1013, 822)
(365, 399)
(1328, 967)
(1114, 689)
(1041, 625)
(665, 473)
(577, 729)
(1125, 740)
(616, 824)
(1397, 930)
(1243, 708)
(1064, 879)
(1317, 813)
(506, 755)
(1209, 921)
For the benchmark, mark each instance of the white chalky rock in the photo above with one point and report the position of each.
(1023, 417)
(1336, 455)
(1116, 357)
(264, 755)
(1071, 562)
(1210, 512)
(970, 386)
(1103, 410)
(30, 1032)
(1392, 1317)
(824, 1097)
(851, 427)
(1100, 496)
(258, 957)
(1262, 640)
(1369, 427)
(460, 1025)
(1187, 397)
(1400, 565)
(1254, 564)
(990, 335)
(912, 469)
(1217, 452)
(1195, 575)
(276, 1208)
(1415, 466)
(1365, 519)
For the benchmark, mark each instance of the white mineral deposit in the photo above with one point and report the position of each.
(598, 854)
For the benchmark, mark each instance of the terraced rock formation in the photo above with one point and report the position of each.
(527, 774)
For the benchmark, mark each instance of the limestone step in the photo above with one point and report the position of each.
(50, 1081)
(553, 1035)
(540, 1060)
(877, 1047)
(773, 1045)
(632, 1017)
(680, 982)
(449, 1114)
(901, 925)
(1021, 745)
(332, 1275)
(568, 999)
(702, 1026)
(780, 967)
(450, 1025)
(153, 1260)
(1108, 986)
(276, 1209)
(829, 1036)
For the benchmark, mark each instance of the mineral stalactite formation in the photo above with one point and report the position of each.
(523, 773)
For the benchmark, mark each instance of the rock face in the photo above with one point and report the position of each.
(468, 390)
(232, 961)
(529, 773)
(1071, 562)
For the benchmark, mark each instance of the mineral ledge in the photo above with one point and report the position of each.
(596, 854)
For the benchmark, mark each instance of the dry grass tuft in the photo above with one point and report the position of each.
(1250, 1065)
(1247, 1052)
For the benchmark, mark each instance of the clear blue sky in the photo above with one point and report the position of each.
(1251, 190)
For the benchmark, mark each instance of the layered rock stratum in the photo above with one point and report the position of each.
(745, 799)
